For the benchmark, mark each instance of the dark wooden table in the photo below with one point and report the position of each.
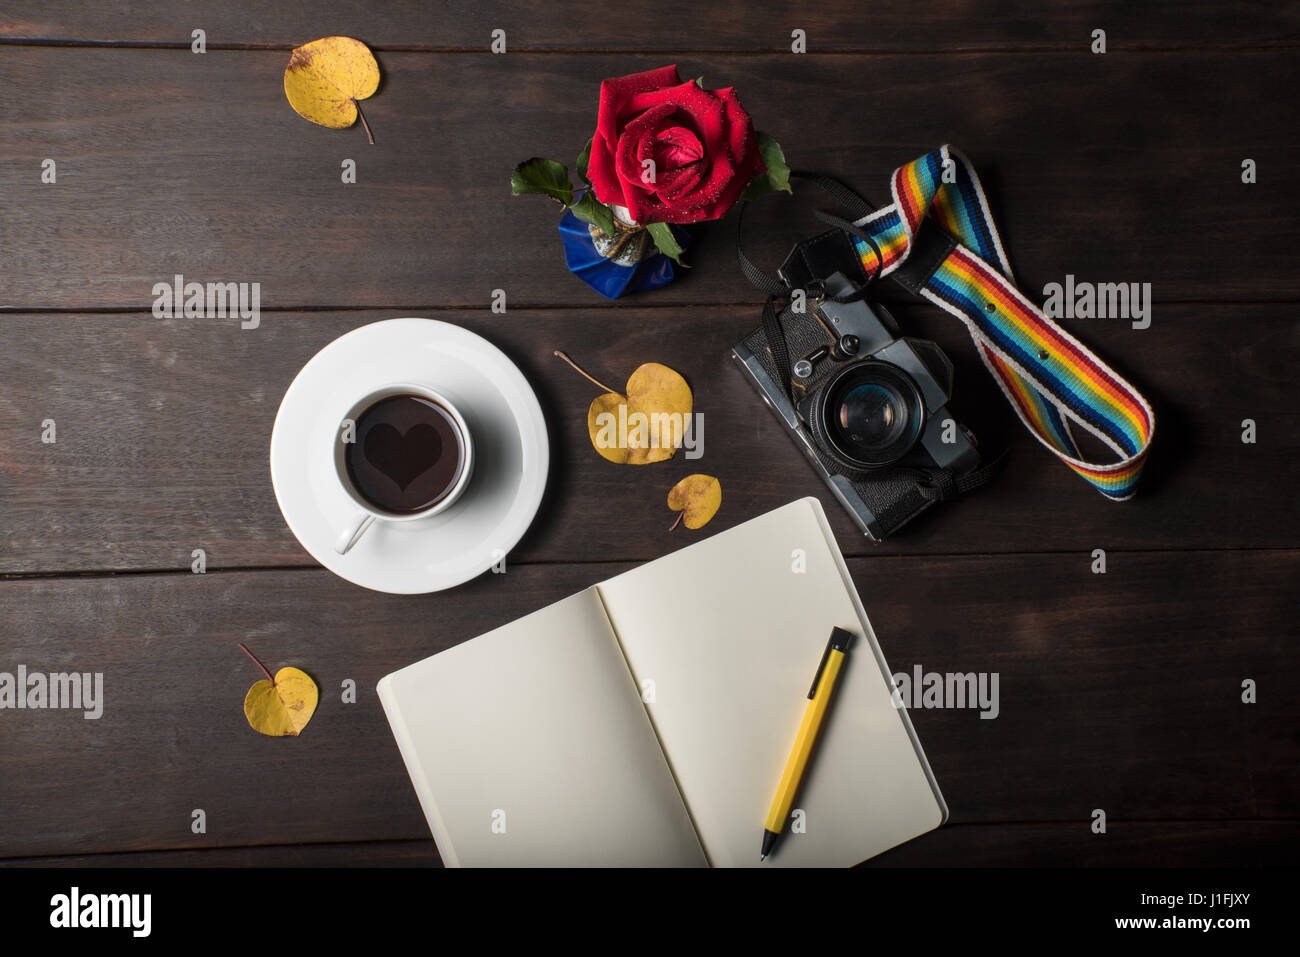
(1120, 691)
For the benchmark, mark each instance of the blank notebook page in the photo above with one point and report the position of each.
(731, 632)
(530, 746)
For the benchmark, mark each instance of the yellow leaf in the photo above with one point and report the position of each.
(648, 423)
(325, 78)
(601, 415)
(697, 497)
(283, 707)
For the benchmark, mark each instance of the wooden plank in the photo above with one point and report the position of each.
(1181, 844)
(1116, 168)
(413, 853)
(674, 25)
(1126, 844)
(163, 426)
(1119, 691)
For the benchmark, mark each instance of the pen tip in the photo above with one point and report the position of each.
(762, 858)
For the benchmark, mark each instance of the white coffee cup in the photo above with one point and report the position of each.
(366, 513)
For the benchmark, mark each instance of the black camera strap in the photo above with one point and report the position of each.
(851, 202)
(940, 485)
(777, 289)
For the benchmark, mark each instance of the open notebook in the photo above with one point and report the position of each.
(647, 719)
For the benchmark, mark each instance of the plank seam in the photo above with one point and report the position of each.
(1245, 46)
(242, 569)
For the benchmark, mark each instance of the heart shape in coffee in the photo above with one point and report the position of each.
(403, 457)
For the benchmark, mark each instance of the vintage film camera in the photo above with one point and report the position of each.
(868, 407)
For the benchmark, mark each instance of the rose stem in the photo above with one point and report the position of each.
(679, 520)
(369, 135)
(259, 664)
(584, 374)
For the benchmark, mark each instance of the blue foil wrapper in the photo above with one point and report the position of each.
(609, 277)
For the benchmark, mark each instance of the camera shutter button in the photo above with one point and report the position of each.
(847, 346)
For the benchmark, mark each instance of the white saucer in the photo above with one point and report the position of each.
(506, 425)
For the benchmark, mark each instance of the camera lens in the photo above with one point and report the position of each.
(871, 413)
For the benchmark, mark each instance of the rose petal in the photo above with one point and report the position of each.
(674, 183)
(677, 146)
(643, 139)
(637, 144)
(744, 145)
(614, 96)
(730, 175)
(600, 170)
(616, 92)
(687, 96)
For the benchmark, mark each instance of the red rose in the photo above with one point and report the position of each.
(701, 145)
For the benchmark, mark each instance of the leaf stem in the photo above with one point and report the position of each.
(257, 662)
(680, 515)
(583, 373)
(370, 136)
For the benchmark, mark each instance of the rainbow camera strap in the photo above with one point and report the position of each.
(1051, 379)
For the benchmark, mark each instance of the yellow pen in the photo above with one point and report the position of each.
(819, 697)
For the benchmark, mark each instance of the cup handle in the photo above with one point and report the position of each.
(352, 534)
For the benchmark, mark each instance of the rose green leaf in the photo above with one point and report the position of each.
(665, 241)
(543, 177)
(598, 214)
(777, 176)
(584, 158)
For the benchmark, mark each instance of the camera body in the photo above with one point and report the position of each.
(866, 405)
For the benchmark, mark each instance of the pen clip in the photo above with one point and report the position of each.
(838, 641)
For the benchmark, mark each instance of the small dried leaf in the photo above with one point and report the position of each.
(697, 497)
(326, 77)
(282, 708)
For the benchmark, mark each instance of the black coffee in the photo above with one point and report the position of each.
(407, 456)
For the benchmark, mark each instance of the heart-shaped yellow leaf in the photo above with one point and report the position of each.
(325, 78)
(283, 707)
(697, 497)
(647, 424)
